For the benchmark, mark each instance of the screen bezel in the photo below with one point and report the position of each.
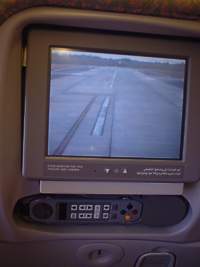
(35, 162)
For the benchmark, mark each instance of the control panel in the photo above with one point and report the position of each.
(57, 210)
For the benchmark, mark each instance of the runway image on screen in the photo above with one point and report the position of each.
(114, 105)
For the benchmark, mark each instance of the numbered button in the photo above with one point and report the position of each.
(89, 215)
(82, 207)
(106, 207)
(89, 207)
(73, 216)
(74, 207)
(105, 216)
(81, 216)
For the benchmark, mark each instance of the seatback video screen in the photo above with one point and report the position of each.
(115, 105)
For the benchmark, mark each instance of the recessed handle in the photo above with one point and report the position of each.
(99, 255)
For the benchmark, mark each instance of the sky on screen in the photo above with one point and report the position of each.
(71, 52)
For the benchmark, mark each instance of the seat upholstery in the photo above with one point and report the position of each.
(187, 9)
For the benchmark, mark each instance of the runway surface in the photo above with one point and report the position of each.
(113, 111)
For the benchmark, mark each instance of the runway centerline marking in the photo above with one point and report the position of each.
(113, 79)
(101, 119)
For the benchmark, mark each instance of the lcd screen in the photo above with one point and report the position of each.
(115, 105)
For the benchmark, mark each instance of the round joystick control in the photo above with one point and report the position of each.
(42, 211)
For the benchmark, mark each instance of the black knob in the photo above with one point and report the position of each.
(42, 210)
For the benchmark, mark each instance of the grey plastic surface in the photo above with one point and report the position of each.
(61, 245)
(64, 253)
(99, 254)
(126, 188)
(36, 164)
